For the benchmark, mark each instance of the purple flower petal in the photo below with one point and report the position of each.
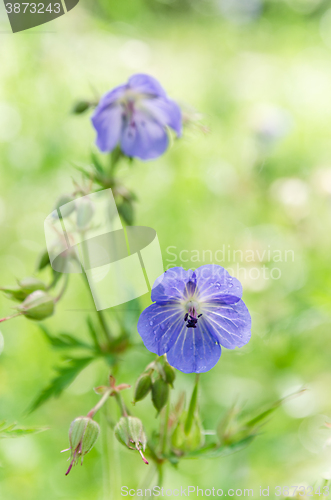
(229, 324)
(214, 284)
(107, 121)
(194, 351)
(146, 84)
(166, 112)
(159, 326)
(112, 97)
(144, 138)
(171, 286)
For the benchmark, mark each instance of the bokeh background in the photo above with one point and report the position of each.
(253, 172)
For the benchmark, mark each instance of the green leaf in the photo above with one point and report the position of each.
(192, 407)
(66, 374)
(214, 451)
(93, 333)
(126, 211)
(80, 107)
(43, 261)
(12, 431)
(96, 162)
(64, 341)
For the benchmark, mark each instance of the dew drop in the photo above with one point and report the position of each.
(151, 323)
(230, 285)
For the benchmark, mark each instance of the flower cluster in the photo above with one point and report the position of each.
(193, 315)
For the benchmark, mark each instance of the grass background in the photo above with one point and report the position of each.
(259, 179)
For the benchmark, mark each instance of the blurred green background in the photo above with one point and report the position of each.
(253, 174)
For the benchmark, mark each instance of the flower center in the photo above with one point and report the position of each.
(192, 316)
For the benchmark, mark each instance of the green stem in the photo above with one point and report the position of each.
(105, 457)
(165, 427)
(10, 317)
(160, 475)
(65, 284)
(192, 407)
(115, 155)
(120, 402)
(101, 316)
(99, 404)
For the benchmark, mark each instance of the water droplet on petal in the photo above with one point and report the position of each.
(230, 285)
(151, 323)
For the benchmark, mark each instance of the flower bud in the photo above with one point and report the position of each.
(43, 260)
(185, 442)
(85, 212)
(32, 284)
(80, 107)
(24, 288)
(170, 373)
(64, 211)
(143, 386)
(160, 394)
(37, 306)
(130, 432)
(83, 434)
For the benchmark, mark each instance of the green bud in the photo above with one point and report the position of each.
(24, 288)
(30, 285)
(80, 107)
(130, 432)
(143, 386)
(64, 211)
(170, 373)
(43, 261)
(85, 212)
(126, 211)
(37, 306)
(160, 394)
(184, 442)
(14, 293)
(83, 434)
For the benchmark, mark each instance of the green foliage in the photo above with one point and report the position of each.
(66, 374)
(12, 431)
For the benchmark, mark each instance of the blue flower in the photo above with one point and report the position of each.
(194, 314)
(136, 116)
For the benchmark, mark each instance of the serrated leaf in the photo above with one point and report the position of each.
(66, 375)
(12, 431)
(64, 340)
